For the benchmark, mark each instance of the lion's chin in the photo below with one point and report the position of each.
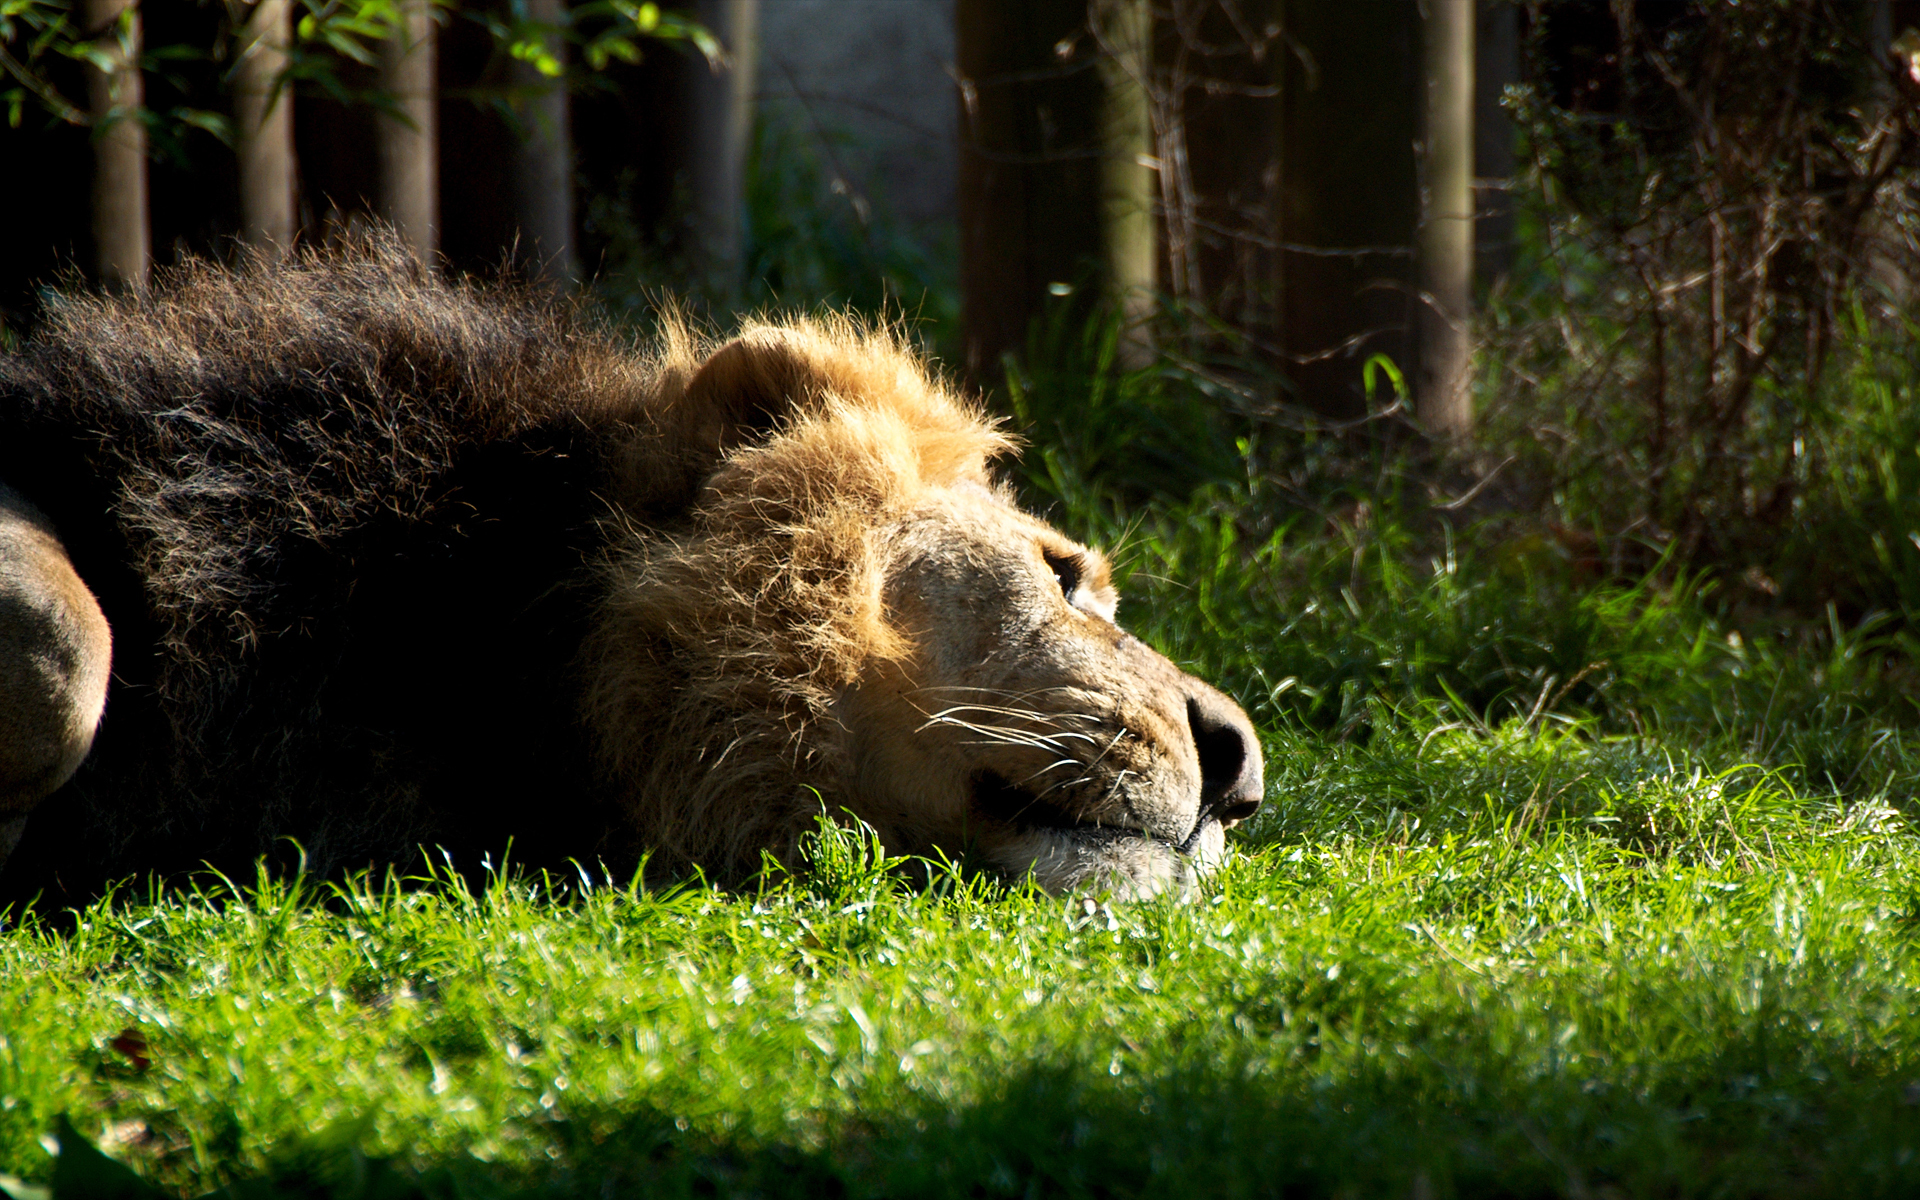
(1120, 865)
(1064, 853)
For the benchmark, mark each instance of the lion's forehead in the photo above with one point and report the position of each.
(970, 510)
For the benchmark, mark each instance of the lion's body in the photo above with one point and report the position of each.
(389, 561)
(294, 504)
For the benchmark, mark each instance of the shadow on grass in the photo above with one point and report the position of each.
(1078, 1131)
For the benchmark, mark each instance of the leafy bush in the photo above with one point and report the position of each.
(1338, 602)
(1721, 216)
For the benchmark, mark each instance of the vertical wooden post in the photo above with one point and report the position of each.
(121, 235)
(1127, 184)
(263, 125)
(408, 141)
(720, 106)
(1055, 142)
(542, 169)
(1443, 396)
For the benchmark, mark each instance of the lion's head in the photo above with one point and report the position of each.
(853, 613)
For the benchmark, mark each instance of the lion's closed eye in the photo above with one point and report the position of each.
(1082, 575)
(1069, 569)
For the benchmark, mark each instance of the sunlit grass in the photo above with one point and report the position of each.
(1680, 982)
(1563, 887)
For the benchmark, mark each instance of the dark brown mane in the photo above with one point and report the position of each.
(329, 509)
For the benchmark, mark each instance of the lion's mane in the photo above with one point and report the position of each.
(391, 559)
(722, 645)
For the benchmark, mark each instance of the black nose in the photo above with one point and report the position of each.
(1231, 781)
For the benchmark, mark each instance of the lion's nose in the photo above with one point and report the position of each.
(1231, 781)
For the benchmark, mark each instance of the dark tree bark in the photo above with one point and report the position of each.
(1218, 96)
(263, 127)
(1442, 389)
(1055, 174)
(1496, 64)
(1350, 202)
(121, 232)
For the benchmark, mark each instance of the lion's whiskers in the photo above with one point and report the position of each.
(1076, 781)
(1020, 714)
(997, 720)
(1052, 766)
(1047, 737)
(1108, 748)
(1115, 785)
(995, 735)
(1003, 693)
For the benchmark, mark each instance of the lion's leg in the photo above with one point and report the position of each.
(55, 650)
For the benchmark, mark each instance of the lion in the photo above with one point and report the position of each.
(382, 560)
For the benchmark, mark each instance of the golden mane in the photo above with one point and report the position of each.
(721, 641)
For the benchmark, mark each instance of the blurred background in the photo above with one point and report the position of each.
(1406, 350)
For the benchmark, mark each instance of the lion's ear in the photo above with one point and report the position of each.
(750, 384)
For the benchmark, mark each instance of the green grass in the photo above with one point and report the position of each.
(1699, 985)
(1564, 887)
(1645, 939)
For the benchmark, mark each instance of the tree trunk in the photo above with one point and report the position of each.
(1349, 194)
(1218, 71)
(1055, 142)
(263, 125)
(1128, 238)
(1496, 64)
(1443, 395)
(122, 241)
(409, 147)
(542, 172)
(719, 105)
